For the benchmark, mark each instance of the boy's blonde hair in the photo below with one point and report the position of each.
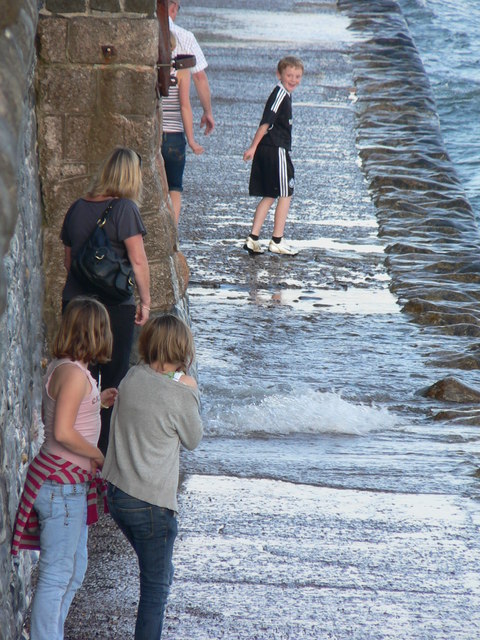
(290, 61)
(84, 333)
(119, 176)
(166, 339)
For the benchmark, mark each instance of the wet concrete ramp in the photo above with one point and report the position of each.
(274, 560)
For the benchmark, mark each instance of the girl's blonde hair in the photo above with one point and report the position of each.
(84, 333)
(119, 176)
(167, 339)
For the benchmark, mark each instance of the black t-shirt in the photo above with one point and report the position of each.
(123, 221)
(278, 115)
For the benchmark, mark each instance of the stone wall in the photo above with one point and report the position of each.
(92, 87)
(21, 297)
(96, 89)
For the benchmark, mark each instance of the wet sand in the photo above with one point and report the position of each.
(369, 557)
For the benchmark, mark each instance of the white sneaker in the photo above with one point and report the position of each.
(282, 247)
(253, 246)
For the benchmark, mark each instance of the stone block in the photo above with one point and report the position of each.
(66, 89)
(52, 39)
(141, 6)
(134, 41)
(183, 272)
(51, 134)
(126, 91)
(155, 188)
(64, 173)
(161, 235)
(140, 134)
(58, 196)
(9, 15)
(21, 39)
(112, 6)
(161, 286)
(77, 137)
(11, 87)
(8, 212)
(105, 134)
(66, 6)
(161, 176)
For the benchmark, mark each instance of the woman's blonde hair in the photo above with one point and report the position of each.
(84, 333)
(119, 176)
(167, 339)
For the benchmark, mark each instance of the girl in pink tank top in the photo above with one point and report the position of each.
(71, 414)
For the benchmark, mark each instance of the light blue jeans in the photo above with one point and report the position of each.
(62, 513)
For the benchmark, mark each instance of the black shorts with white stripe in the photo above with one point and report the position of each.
(272, 173)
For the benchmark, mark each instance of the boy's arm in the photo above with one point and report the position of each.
(261, 131)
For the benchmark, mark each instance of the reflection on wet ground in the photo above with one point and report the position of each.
(324, 501)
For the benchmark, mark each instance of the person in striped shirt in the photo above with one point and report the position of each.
(186, 43)
(272, 173)
(177, 128)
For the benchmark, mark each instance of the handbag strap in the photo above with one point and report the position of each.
(103, 218)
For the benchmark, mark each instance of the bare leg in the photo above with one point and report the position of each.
(261, 212)
(176, 198)
(281, 213)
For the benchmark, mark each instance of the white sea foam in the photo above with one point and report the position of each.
(310, 412)
(267, 26)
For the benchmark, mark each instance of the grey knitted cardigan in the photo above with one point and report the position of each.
(152, 417)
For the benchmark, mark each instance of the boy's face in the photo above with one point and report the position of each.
(290, 77)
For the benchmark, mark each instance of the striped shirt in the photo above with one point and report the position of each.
(26, 532)
(171, 115)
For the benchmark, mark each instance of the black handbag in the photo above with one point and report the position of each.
(99, 267)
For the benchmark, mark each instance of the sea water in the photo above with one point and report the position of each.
(447, 35)
(316, 348)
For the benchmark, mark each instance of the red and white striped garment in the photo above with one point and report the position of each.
(26, 532)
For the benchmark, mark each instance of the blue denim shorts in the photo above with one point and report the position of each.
(173, 153)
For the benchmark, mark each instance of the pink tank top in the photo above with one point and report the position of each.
(87, 422)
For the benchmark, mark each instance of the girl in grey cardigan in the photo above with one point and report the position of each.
(157, 410)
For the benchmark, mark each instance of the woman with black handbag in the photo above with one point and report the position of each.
(118, 188)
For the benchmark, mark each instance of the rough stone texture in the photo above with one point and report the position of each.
(75, 130)
(105, 5)
(90, 100)
(21, 328)
(66, 6)
(87, 36)
(138, 6)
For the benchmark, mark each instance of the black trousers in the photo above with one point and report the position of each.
(122, 321)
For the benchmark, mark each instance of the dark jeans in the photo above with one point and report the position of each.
(151, 531)
(122, 322)
(173, 153)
